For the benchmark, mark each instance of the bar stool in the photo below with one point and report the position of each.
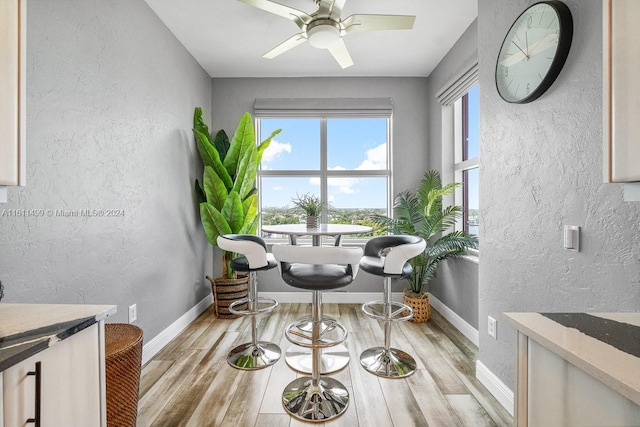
(388, 256)
(255, 354)
(316, 268)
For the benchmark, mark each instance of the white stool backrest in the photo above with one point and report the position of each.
(399, 255)
(254, 252)
(318, 255)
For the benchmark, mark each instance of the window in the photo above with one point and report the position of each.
(340, 156)
(460, 144)
(466, 155)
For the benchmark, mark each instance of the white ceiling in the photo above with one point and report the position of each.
(228, 38)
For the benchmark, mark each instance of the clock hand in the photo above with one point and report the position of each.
(513, 59)
(526, 40)
(526, 56)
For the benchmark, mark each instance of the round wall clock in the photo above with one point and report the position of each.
(534, 51)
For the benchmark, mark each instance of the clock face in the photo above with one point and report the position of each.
(534, 51)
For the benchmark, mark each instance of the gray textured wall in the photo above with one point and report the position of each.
(541, 167)
(456, 284)
(110, 101)
(232, 97)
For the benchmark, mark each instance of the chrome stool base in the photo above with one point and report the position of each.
(392, 363)
(332, 359)
(327, 400)
(250, 357)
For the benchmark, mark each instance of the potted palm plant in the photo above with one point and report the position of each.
(311, 206)
(228, 199)
(422, 214)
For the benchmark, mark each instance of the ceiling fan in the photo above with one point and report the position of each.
(325, 28)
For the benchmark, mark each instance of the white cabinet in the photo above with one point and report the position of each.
(70, 378)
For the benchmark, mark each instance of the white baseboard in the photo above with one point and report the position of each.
(458, 322)
(158, 342)
(330, 297)
(497, 388)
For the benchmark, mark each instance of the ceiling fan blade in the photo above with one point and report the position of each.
(288, 44)
(358, 23)
(341, 54)
(299, 17)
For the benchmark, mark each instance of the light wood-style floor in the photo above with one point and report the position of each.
(189, 383)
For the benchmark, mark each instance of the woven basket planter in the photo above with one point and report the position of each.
(420, 305)
(225, 292)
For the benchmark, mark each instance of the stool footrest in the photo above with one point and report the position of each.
(378, 310)
(331, 333)
(271, 305)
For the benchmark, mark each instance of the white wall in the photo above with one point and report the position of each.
(110, 101)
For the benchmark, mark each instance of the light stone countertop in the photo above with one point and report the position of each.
(26, 329)
(604, 345)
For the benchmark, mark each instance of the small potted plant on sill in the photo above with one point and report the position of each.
(228, 199)
(421, 214)
(311, 206)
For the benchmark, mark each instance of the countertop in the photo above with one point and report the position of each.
(26, 329)
(604, 345)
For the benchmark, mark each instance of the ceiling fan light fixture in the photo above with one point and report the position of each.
(323, 36)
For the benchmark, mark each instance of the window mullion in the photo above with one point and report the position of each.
(324, 191)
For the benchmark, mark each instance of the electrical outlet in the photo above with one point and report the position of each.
(492, 327)
(133, 313)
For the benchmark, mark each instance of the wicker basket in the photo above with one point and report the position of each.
(420, 305)
(123, 359)
(225, 292)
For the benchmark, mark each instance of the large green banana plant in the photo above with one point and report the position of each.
(228, 199)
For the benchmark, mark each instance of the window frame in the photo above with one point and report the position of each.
(323, 173)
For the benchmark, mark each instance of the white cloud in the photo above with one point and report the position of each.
(274, 150)
(376, 158)
(277, 188)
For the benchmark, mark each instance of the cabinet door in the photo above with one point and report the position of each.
(12, 91)
(70, 384)
(621, 88)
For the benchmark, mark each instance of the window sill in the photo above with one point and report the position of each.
(472, 256)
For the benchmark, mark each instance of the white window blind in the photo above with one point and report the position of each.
(324, 107)
(458, 86)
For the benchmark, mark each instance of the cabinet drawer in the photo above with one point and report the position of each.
(70, 384)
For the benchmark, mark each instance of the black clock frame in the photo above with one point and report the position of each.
(565, 36)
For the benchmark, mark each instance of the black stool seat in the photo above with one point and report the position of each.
(242, 264)
(317, 277)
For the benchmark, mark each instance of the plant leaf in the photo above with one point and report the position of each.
(243, 139)
(265, 144)
(247, 172)
(210, 157)
(200, 193)
(221, 142)
(213, 223)
(214, 188)
(233, 212)
(198, 122)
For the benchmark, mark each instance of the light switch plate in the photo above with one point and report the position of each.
(571, 237)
